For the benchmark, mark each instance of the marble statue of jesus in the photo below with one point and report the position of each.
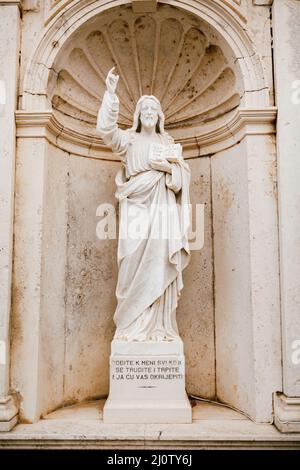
(150, 267)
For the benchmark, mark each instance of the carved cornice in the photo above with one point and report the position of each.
(53, 8)
(232, 130)
(170, 54)
(241, 122)
(75, 15)
(263, 2)
(31, 5)
(11, 3)
(144, 6)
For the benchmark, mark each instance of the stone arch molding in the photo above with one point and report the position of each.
(221, 40)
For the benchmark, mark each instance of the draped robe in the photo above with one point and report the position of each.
(150, 266)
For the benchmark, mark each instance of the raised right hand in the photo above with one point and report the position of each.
(111, 81)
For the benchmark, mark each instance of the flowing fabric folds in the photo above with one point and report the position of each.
(153, 245)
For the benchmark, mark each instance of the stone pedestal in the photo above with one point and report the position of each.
(8, 414)
(287, 413)
(9, 72)
(286, 20)
(147, 384)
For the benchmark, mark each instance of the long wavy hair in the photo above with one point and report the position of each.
(137, 125)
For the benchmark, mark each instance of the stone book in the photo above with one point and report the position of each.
(171, 152)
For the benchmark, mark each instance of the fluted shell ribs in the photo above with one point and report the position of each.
(170, 54)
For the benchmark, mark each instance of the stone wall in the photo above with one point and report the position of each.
(64, 277)
(75, 283)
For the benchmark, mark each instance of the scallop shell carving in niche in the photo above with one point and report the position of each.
(169, 54)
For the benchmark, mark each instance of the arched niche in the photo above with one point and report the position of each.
(170, 53)
(216, 100)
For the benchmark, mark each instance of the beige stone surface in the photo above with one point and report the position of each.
(234, 350)
(195, 313)
(39, 277)
(259, 28)
(92, 410)
(247, 312)
(74, 301)
(86, 411)
(9, 40)
(64, 277)
(181, 61)
(27, 274)
(144, 6)
(79, 276)
(53, 275)
(287, 74)
(213, 427)
(90, 280)
(31, 25)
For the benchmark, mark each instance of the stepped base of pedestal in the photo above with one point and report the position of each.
(287, 413)
(148, 412)
(148, 385)
(6, 426)
(8, 414)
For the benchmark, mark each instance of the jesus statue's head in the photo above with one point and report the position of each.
(148, 114)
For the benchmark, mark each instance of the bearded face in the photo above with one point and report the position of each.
(149, 113)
